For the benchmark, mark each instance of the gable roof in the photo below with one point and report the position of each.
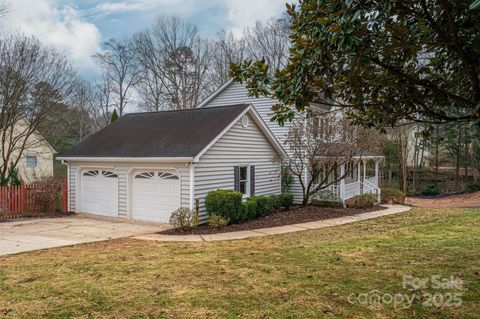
(165, 135)
(214, 94)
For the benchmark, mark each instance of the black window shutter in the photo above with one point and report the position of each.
(236, 178)
(252, 179)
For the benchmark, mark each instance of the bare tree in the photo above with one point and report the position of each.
(173, 54)
(270, 41)
(82, 104)
(33, 79)
(226, 50)
(102, 103)
(319, 146)
(120, 65)
(4, 8)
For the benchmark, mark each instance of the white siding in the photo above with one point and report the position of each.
(123, 170)
(236, 93)
(239, 146)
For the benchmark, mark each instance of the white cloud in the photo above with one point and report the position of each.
(244, 13)
(112, 7)
(53, 24)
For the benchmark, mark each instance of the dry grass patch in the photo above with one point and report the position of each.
(306, 274)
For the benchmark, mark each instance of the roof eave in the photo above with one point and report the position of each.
(126, 159)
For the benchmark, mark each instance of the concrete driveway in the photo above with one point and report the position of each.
(28, 235)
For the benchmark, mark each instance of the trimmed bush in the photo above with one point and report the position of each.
(472, 188)
(276, 201)
(183, 218)
(264, 204)
(225, 203)
(217, 221)
(361, 201)
(327, 203)
(248, 210)
(431, 190)
(287, 200)
(392, 196)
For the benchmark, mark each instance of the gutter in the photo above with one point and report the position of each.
(128, 159)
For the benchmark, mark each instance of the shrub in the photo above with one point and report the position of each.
(45, 193)
(392, 196)
(248, 210)
(431, 190)
(286, 200)
(217, 221)
(183, 218)
(361, 201)
(472, 188)
(327, 203)
(276, 201)
(264, 204)
(225, 203)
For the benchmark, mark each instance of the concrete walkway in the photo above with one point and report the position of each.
(35, 234)
(391, 209)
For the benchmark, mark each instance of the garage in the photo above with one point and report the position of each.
(99, 192)
(155, 194)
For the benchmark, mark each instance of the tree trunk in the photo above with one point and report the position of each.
(437, 146)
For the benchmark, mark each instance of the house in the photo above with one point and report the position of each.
(145, 165)
(364, 176)
(36, 157)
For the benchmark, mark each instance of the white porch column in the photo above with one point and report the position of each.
(358, 172)
(342, 181)
(376, 170)
(364, 170)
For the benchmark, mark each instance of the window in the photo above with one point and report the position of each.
(145, 175)
(90, 173)
(244, 180)
(164, 175)
(109, 174)
(31, 161)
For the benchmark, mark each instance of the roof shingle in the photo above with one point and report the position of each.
(183, 133)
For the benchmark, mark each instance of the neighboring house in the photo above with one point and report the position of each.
(414, 142)
(36, 160)
(145, 165)
(365, 175)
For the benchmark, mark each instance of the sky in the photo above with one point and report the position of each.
(78, 28)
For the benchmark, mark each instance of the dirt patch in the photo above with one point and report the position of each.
(453, 201)
(296, 215)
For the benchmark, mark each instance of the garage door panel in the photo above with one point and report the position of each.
(99, 193)
(155, 195)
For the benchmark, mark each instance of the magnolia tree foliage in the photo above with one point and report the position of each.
(318, 147)
(387, 60)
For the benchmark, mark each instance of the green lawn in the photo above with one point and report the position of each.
(308, 274)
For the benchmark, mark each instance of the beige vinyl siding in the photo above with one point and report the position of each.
(123, 170)
(236, 93)
(238, 146)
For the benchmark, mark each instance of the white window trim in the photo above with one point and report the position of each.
(247, 181)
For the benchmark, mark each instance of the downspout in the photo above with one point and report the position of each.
(192, 186)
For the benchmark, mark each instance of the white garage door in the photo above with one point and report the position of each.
(155, 195)
(99, 192)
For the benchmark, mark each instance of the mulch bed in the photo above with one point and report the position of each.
(296, 215)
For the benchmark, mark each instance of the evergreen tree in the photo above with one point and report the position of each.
(114, 116)
(3, 180)
(13, 178)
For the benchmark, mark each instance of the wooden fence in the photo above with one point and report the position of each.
(33, 200)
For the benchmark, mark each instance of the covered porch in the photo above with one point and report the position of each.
(362, 177)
